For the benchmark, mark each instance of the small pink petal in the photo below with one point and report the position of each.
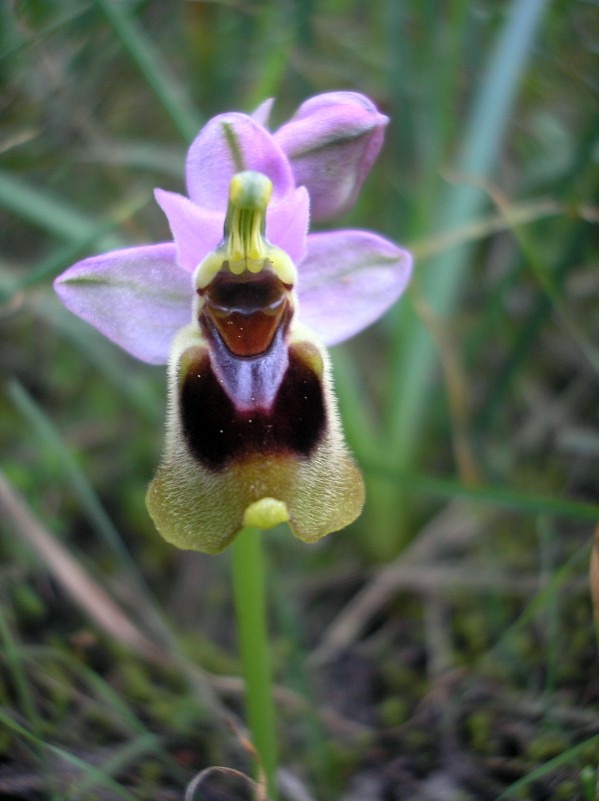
(137, 297)
(348, 280)
(195, 230)
(287, 224)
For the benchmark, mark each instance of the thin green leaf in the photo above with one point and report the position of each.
(497, 496)
(51, 213)
(441, 279)
(155, 71)
(12, 658)
(78, 247)
(112, 363)
(96, 775)
(549, 766)
(47, 433)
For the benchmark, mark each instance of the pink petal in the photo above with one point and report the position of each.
(212, 161)
(348, 280)
(287, 224)
(332, 141)
(137, 297)
(195, 230)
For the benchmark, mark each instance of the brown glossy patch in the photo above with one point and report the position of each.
(247, 310)
(218, 434)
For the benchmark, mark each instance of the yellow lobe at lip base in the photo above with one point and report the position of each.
(266, 513)
(244, 247)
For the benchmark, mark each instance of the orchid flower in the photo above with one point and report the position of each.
(241, 305)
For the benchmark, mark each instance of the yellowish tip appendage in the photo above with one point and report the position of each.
(265, 513)
(249, 193)
(250, 190)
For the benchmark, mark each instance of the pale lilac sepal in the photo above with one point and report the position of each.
(332, 142)
(348, 280)
(287, 224)
(196, 231)
(211, 161)
(137, 297)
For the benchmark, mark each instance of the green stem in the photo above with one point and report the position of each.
(250, 613)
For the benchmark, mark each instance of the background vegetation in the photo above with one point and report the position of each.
(442, 648)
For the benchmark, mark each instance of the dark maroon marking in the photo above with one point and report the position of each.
(217, 434)
(245, 293)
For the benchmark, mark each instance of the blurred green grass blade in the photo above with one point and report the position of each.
(80, 231)
(48, 435)
(442, 278)
(51, 213)
(73, 669)
(137, 155)
(110, 698)
(155, 71)
(552, 289)
(97, 775)
(51, 266)
(15, 37)
(114, 699)
(359, 431)
(439, 281)
(90, 503)
(514, 791)
(553, 613)
(572, 252)
(147, 398)
(81, 244)
(317, 742)
(276, 25)
(527, 333)
(122, 758)
(475, 230)
(496, 496)
(493, 103)
(14, 666)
